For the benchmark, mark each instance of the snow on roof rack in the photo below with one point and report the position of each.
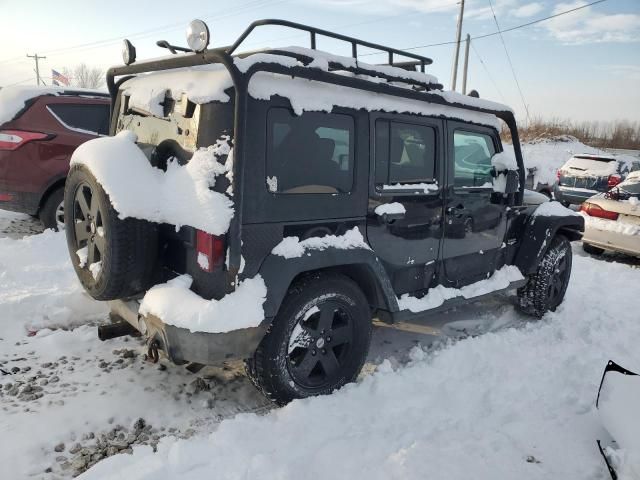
(315, 32)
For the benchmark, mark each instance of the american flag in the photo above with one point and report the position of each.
(58, 78)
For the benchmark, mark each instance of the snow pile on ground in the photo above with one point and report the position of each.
(618, 409)
(553, 209)
(438, 295)
(179, 196)
(516, 403)
(175, 304)
(292, 247)
(54, 299)
(393, 208)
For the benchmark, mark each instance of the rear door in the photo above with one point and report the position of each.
(475, 217)
(406, 171)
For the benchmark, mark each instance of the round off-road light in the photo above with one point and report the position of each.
(128, 52)
(197, 35)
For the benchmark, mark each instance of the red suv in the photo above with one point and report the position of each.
(40, 127)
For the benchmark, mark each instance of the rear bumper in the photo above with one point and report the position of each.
(574, 196)
(612, 241)
(181, 345)
(22, 202)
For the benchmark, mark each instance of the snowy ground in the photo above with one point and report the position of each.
(481, 389)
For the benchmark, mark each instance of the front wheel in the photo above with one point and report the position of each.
(546, 288)
(318, 341)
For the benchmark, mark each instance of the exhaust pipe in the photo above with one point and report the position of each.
(113, 330)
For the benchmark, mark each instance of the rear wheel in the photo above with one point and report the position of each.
(591, 249)
(52, 211)
(113, 258)
(318, 341)
(546, 288)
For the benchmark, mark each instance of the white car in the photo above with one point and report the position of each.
(612, 219)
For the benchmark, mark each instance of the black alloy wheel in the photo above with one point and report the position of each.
(319, 345)
(317, 342)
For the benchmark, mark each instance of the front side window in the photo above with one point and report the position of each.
(473, 152)
(405, 153)
(309, 153)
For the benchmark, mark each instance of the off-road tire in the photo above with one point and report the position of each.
(546, 288)
(49, 209)
(270, 368)
(592, 250)
(130, 245)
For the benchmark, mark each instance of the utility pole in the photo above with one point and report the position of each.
(454, 73)
(36, 57)
(466, 65)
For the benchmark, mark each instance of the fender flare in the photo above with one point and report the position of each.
(537, 234)
(360, 264)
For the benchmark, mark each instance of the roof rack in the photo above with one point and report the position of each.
(315, 32)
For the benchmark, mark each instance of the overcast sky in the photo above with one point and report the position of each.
(583, 66)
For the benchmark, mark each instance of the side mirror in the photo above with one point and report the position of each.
(513, 183)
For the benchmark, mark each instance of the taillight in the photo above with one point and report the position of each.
(613, 180)
(14, 139)
(210, 250)
(558, 173)
(594, 210)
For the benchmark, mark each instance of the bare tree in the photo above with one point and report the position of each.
(85, 77)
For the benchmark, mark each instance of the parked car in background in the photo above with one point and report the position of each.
(612, 219)
(584, 176)
(540, 187)
(40, 127)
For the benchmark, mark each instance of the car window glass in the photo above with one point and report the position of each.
(309, 153)
(87, 117)
(405, 153)
(472, 153)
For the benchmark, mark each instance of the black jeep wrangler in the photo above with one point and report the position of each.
(357, 191)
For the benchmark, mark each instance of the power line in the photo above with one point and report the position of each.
(499, 32)
(513, 70)
(486, 69)
(248, 6)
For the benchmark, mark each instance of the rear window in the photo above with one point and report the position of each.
(309, 153)
(588, 165)
(87, 118)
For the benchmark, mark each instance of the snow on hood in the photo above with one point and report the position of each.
(175, 304)
(179, 196)
(553, 209)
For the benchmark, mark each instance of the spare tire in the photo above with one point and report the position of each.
(113, 257)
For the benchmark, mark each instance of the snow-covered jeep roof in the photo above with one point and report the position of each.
(206, 83)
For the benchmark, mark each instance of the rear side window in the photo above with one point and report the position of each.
(405, 153)
(86, 117)
(473, 152)
(309, 153)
